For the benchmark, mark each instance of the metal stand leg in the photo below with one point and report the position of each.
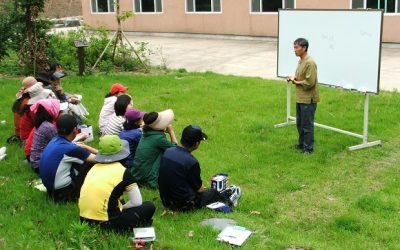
(289, 119)
(365, 143)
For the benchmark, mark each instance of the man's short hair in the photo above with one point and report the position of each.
(301, 42)
(66, 124)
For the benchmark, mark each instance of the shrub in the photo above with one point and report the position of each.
(62, 49)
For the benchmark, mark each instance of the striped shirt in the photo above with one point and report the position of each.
(114, 125)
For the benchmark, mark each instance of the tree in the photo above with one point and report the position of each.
(33, 35)
(23, 31)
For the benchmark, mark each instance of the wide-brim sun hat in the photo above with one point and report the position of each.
(37, 92)
(27, 83)
(112, 149)
(164, 119)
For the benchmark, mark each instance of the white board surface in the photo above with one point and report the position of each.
(345, 44)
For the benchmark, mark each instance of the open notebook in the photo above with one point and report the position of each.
(144, 233)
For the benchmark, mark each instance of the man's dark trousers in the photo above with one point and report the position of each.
(305, 125)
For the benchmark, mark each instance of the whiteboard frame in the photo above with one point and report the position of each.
(339, 10)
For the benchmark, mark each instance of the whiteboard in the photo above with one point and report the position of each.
(345, 44)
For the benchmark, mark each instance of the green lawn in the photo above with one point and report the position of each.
(333, 199)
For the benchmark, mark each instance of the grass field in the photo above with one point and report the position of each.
(333, 199)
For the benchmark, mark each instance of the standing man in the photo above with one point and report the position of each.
(307, 96)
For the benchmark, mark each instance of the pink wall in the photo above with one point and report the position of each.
(323, 4)
(234, 20)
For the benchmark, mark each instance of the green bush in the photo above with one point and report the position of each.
(62, 50)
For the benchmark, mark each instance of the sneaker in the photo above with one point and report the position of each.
(297, 146)
(307, 152)
(2, 157)
(3, 150)
(234, 198)
(14, 139)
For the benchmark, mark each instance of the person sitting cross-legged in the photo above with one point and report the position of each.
(152, 145)
(179, 180)
(132, 133)
(62, 161)
(104, 184)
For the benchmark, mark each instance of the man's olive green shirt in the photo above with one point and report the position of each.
(307, 91)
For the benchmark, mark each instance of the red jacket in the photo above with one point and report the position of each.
(26, 124)
(28, 143)
(17, 116)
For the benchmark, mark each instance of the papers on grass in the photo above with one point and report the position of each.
(144, 233)
(234, 235)
(220, 207)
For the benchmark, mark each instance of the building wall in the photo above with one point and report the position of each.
(235, 19)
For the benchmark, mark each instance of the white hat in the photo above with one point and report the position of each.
(37, 92)
(164, 119)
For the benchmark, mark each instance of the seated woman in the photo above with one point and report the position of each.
(46, 112)
(115, 124)
(152, 145)
(132, 133)
(26, 123)
(71, 102)
(100, 196)
(22, 98)
(108, 107)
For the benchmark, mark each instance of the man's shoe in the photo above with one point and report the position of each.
(307, 152)
(236, 194)
(297, 146)
(14, 139)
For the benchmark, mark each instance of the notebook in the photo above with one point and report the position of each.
(144, 233)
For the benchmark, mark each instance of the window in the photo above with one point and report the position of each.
(145, 6)
(271, 5)
(102, 6)
(203, 5)
(389, 6)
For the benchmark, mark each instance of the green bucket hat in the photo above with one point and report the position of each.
(112, 149)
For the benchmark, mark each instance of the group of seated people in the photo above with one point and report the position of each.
(133, 152)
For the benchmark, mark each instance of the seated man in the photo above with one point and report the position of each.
(179, 179)
(62, 160)
(100, 195)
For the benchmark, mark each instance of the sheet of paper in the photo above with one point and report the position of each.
(234, 235)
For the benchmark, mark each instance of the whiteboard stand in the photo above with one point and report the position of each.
(290, 120)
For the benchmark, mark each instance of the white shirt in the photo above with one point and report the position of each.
(106, 112)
